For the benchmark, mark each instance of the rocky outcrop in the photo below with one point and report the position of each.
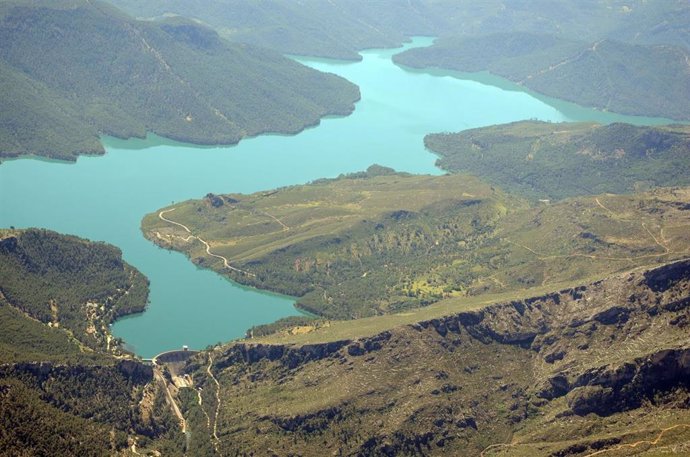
(308, 423)
(451, 384)
(610, 390)
(289, 356)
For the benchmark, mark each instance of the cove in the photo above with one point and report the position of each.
(104, 198)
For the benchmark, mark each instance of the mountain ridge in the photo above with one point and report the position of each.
(549, 382)
(114, 75)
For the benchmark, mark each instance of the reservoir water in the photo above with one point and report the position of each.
(104, 198)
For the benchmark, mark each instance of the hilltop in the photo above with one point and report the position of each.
(67, 283)
(540, 160)
(74, 70)
(380, 242)
(605, 74)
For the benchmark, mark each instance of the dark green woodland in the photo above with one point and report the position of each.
(73, 71)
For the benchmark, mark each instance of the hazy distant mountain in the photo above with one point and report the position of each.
(339, 28)
(72, 70)
(650, 80)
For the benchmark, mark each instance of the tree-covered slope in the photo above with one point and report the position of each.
(69, 283)
(378, 243)
(65, 387)
(606, 74)
(541, 160)
(73, 70)
(324, 241)
(597, 369)
(336, 29)
(339, 28)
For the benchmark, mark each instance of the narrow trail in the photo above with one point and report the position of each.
(215, 416)
(550, 68)
(208, 420)
(226, 262)
(591, 256)
(661, 243)
(496, 446)
(285, 227)
(604, 207)
(171, 400)
(654, 442)
(662, 246)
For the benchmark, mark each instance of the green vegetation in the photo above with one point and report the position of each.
(117, 76)
(380, 243)
(351, 247)
(606, 74)
(69, 283)
(25, 339)
(340, 28)
(328, 29)
(65, 386)
(200, 443)
(79, 409)
(540, 160)
(24, 412)
(599, 366)
(290, 325)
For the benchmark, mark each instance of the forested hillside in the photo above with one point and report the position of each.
(379, 242)
(66, 388)
(339, 28)
(73, 70)
(69, 283)
(605, 74)
(541, 160)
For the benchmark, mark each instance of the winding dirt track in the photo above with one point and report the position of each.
(173, 404)
(620, 447)
(654, 442)
(215, 416)
(226, 262)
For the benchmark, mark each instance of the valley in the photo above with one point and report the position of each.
(87, 198)
(217, 240)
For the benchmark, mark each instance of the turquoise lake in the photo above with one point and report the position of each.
(104, 198)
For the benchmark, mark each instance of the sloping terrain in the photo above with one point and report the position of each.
(66, 388)
(69, 283)
(340, 28)
(379, 242)
(598, 369)
(605, 74)
(541, 160)
(73, 70)
(328, 242)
